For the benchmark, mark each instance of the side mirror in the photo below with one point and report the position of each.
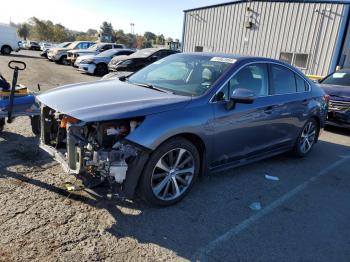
(242, 96)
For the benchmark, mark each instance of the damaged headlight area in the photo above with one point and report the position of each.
(97, 148)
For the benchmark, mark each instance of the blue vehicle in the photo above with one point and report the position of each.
(17, 100)
(157, 130)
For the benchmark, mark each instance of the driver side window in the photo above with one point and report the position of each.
(252, 77)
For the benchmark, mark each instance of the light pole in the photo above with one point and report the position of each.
(132, 27)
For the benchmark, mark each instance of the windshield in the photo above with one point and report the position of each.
(108, 53)
(338, 78)
(93, 47)
(183, 74)
(64, 44)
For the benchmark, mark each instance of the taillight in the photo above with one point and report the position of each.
(326, 98)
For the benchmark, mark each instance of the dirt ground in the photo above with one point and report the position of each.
(41, 221)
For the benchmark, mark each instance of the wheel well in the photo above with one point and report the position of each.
(317, 119)
(199, 144)
(6, 46)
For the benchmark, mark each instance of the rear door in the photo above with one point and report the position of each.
(290, 98)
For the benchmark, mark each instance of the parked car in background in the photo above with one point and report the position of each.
(64, 44)
(139, 59)
(98, 64)
(156, 130)
(92, 50)
(32, 45)
(44, 46)
(8, 39)
(337, 86)
(20, 45)
(59, 54)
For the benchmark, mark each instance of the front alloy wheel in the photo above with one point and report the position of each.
(170, 172)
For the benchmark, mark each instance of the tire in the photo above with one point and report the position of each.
(163, 181)
(307, 138)
(63, 60)
(36, 126)
(101, 70)
(2, 124)
(6, 50)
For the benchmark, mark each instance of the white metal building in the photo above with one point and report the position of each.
(312, 35)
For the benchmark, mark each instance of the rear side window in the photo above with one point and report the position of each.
(302, 86)
(282, 80)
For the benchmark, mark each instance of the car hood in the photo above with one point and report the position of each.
(60, 49)
(109, 99)
(82, 57)
(121, 58)
(338, 92)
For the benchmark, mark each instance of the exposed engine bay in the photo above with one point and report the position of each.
(98, 148)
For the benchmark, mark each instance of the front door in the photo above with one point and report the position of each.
(243, 130)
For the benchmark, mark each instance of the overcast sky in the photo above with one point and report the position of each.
(158, 16)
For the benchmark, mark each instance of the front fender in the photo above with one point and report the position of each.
(157, 128)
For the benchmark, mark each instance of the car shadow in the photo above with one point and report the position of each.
(213, 206)
(338, 130)
(23, 56)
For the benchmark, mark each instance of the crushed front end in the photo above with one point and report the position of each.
(97, 150)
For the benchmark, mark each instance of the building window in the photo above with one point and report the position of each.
(198, 48)
(296, 59)
(286, 57)
(300, 60)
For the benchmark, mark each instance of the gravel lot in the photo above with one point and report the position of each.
(304, 215)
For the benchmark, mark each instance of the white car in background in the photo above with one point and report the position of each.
(8, 39)
(45, 46)
(98, 64)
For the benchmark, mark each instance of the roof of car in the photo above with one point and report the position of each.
(234, 56)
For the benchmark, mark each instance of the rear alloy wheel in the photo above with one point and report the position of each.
(6, 50)
(170, 172)
(307, 138)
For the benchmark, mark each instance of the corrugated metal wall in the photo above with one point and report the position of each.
(309, 28)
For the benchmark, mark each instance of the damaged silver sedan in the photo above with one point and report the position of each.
(155, 131)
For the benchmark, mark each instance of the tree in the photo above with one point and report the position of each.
(160, 40)
(107, 32)
(23, 30)
(149, 36)
(92, 32)
(60, 33)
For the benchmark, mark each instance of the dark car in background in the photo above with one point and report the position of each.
(98, 64)
(139, 59)
(157, 130)
(337, 86)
